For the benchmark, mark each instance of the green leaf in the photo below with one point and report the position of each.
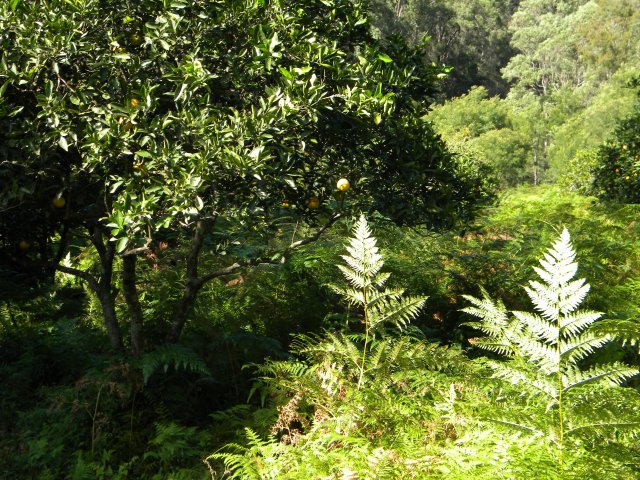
(122, 244)
(285, 73)
(63, 144)
(385, 58)
(4, 87)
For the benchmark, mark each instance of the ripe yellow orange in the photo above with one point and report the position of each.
(24, 245)
(343, 185)
(286, 204)
(313, 203)
(58, 202)
(134, 102)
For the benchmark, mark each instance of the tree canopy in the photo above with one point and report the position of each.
(131, 126)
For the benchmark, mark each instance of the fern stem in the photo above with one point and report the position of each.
(366, 338)
(560, 421)
(559, 387)
(93, 421)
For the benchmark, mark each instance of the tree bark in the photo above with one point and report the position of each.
(192, 284)
(103, 286)
(108, 304)
(130, 292)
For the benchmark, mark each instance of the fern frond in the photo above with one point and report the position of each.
(518, 426)
(573, 294)
(241, 461)
(607, 410)
(558, 266)
(374, 295)
(176, 355)
(574, 323)
(543, 355)
(395, 311)
(536, 384)
(625, 331)
(352, 295)
(494, 345)
(544, 299)
(547, 349)
(611, 374)
(493, 315)
(574, 350)
(336, 348)
(539, 326)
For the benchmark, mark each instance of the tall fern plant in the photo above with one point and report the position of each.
(548, 352)
(366, 290)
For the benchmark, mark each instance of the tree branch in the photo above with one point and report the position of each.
(86, 276)
(137, 250)
(267, 260)
(314, 237)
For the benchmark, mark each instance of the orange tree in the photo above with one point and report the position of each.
(617, 174)
(123, 123)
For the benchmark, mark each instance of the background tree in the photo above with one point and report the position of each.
(617, 171)
(471, 37)
(489, 129)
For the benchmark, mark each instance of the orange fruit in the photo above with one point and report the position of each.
(313, 203)
(134, 102)
(126, 124)
(58, 202)
(343, 185)
(24, 245)
(136, 39)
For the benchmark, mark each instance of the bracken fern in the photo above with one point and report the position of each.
(548, 350)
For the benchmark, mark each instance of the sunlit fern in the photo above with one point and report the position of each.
(547, 352)
(366, 292)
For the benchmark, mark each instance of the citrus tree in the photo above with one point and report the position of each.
(618, 166)
(125, 124)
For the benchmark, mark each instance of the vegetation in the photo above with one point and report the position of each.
(193, 125)
(177, 297)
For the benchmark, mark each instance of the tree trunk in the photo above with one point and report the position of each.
(191, 289)
(535, 165)
(108, 304)
(192, 283)
(132, 299)
(103, 287)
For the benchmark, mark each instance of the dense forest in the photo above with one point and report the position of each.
(319, 239)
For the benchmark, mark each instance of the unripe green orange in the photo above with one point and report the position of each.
(136, 39)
